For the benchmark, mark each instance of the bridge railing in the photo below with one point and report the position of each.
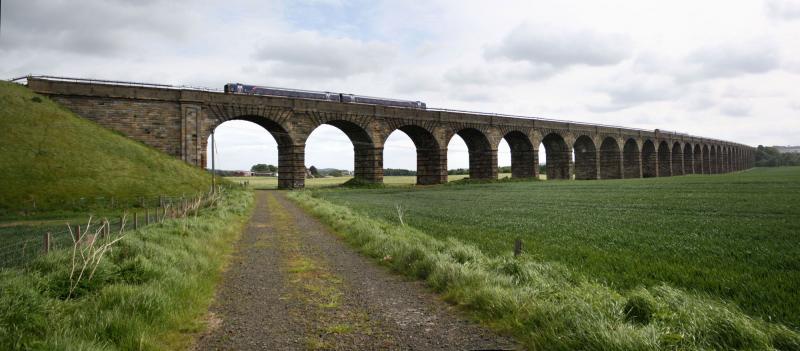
(115, 82)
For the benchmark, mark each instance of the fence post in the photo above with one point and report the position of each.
(47, 242)
(517, 247)
(135, 220)
(122, 223)
(147, 216)
(78, 234)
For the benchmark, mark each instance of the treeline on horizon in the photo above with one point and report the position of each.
(766, 156)
(770, 157)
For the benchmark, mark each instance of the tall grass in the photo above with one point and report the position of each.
(148, 291)
(546, 305)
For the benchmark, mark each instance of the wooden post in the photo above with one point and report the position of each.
(147, 216)
(121, 223)
(135, 220)
(517, 247)
(47, 242)
(78, 234)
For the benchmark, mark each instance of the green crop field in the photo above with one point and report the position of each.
(732, 237)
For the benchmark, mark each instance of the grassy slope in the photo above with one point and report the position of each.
(50, 155)
(147, 294)
(731, 236)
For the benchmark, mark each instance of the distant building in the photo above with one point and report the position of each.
(787, 149)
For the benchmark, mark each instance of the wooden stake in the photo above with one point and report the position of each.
(517, 247)
(135, 220)
(78, 234)
(147, 216)
(47, 242)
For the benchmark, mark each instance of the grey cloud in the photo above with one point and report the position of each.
(783, 9)
(311, 55)
(90, 27)
(732, 59)
(736, 109)
(498, 73)
(630, 92)
(561, 47)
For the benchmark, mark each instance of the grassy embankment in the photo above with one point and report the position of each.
(150, 290)
(687, 262)
(52, 158)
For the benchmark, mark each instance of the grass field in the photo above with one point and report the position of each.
(733, 236)
(272, 182)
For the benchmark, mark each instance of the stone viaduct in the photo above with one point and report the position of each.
(178, 121)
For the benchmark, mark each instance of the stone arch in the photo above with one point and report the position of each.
(688, 159)
(524, 158)
(291, 167)
(610, 159)
(586, 166)
(707, 159)
(631, 159)
(699, 168)
(649, 159)
(664, 159)
(431, 161)
(559, 156)
(368, 156)
(677, 159)
(714, 159)
(726, 159)
(482, 154)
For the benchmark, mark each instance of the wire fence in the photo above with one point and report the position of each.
(20, 244)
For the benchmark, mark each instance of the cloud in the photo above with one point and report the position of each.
(731, 59)
(736, 109)
(489, 73)
(307, 54)
(92, 28)
(628, 91)
(561, 47)
(783, 9)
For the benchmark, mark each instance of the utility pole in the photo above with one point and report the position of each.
(213, 166)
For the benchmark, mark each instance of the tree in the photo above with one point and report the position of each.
(260, 168)
(272, 168)
(314, 171)
(770, 157)
(335, 173)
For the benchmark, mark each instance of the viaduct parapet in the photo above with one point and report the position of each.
(178, 121)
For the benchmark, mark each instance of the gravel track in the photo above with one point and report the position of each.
(293, 285)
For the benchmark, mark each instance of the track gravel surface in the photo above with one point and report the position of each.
(294, 285)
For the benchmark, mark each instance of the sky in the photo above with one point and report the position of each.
(721, 69)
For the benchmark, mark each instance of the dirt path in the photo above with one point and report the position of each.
(292, 285)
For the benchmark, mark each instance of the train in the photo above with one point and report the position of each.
(238, 88)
